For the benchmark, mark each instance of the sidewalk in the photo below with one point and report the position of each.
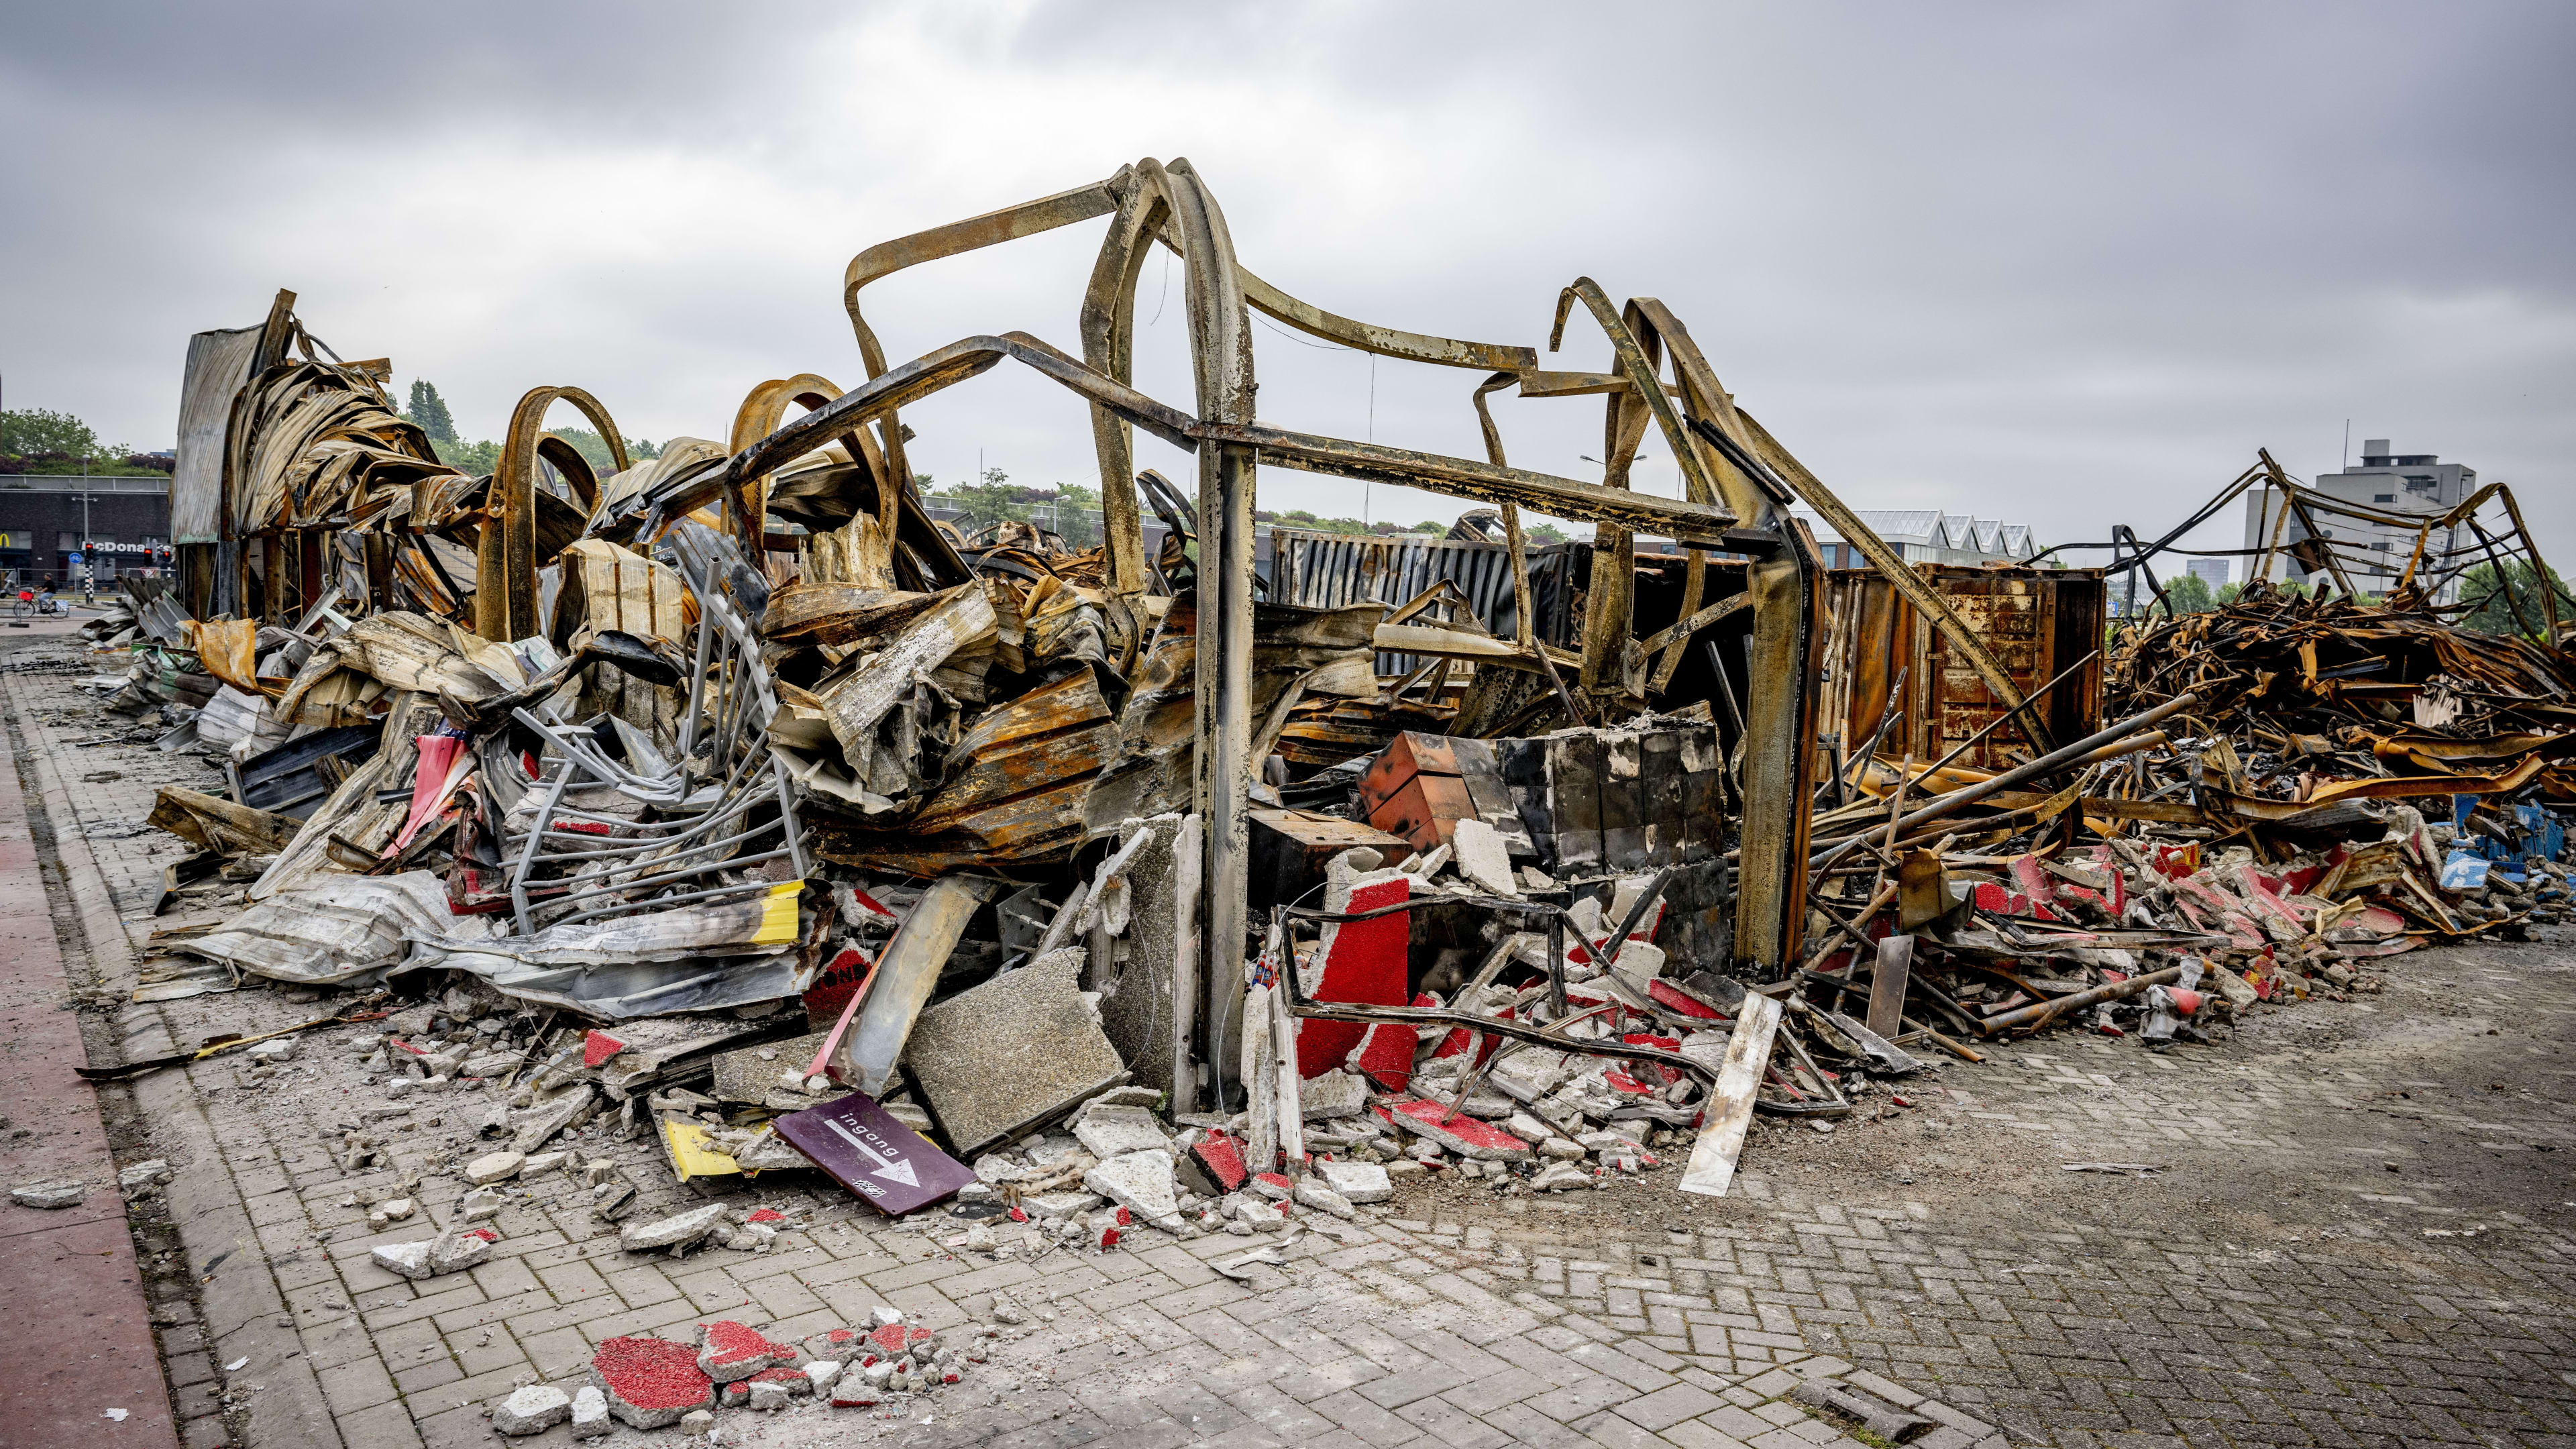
(74, 1287)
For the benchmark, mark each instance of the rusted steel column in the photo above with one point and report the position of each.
(505, 561)
(1221, 351)
(1783, 655)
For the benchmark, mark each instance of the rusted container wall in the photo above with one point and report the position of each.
(2034, 622)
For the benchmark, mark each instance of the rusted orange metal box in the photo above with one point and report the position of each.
(2034, 622)
(1424, 784)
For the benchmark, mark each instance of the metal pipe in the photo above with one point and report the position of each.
(731, 890)
(2045, 765)
(2044, 1011)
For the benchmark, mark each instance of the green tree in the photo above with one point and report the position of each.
(2187, 594)
(2492, 609)
(986, 503)
(35, 430)
(1543, 532)
(429, 412)
(594, 449)
(475, 458)
(1077, 515)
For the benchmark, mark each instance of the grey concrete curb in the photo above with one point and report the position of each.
(245, 1309)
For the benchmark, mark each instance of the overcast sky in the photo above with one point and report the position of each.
(2060, 264)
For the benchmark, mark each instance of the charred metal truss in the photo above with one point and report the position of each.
(1736, 500)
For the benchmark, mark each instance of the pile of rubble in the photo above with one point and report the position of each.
(2243, 836)
(729, 802)
(655, 1383)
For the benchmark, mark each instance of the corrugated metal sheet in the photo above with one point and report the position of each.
(1330, 570)
(218, 365)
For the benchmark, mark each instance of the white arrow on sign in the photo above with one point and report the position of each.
(895, 1168)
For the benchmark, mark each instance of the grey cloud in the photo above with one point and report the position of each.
(2067, 265)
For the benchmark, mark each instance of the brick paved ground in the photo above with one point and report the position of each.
(2276, 1283)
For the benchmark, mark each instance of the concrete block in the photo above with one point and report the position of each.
(1333, 1094)
(531, 1410)
(1311, 1192)
(1358, 1182)
(1560, 1177)
(728, 1350)
(1107, 1132)
(1013, 1052)
(1140, 1182)
(687, 1227)
(1220, 1157)
(51, 1196)
(589, 1413)
(144, 1174)
(494, 1167)
(1358, 961)
(1482, 858)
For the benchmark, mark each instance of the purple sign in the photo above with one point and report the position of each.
(867, 1151)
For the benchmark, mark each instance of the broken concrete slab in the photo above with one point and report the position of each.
(686, 1227)
(1002, 1057)
(1107, 1132)
(651, 1382)
(1560, 1177)
(1120, 1097)
(429, 1257)
(1332, 1094)
(1049, 1206)
(494, 1167)
(410, 1260)
(568, 1110)
(1219, 1156)
(144, 1174)
(754, 1073)
(1312, 1192)
(1358, 1182)
(531, 1410)
(1466, 1136)
(1140, 1182)
(1144, 1004)
(589, 1413)
(51, 1196)
(1483, 859)
(728, 1350)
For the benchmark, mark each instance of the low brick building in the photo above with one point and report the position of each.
(116, 525)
